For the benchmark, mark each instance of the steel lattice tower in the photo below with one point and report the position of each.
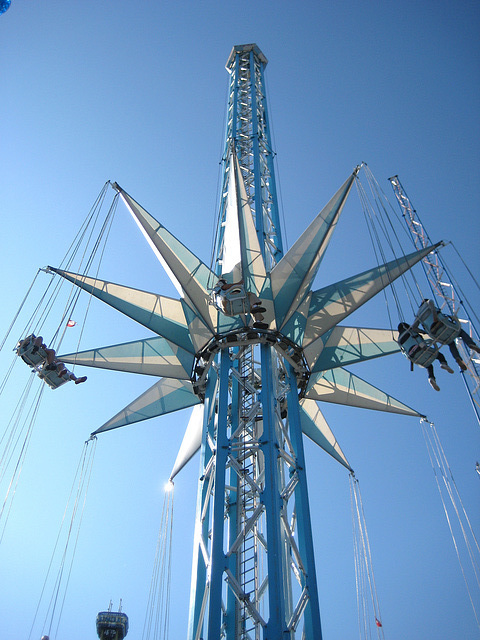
(248, 130)
(253, 349)
(254, 553)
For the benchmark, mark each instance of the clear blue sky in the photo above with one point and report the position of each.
(136, 92)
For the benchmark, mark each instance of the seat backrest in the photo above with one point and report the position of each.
(418, 350)
(25, 349)
(424, 357)
(52, 378)
(445, 330)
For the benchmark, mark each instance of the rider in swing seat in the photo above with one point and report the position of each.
(35, 352)
(435, 323)
(414, 347)
(62, 372)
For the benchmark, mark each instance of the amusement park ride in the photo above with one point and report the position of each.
(252, 347)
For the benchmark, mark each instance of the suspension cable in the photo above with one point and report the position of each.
(447, 488)
(13, 444)
(50, 295)
(383, 220)
(70, 307)
(157, 616)
(4, 382)
(81, 482)
(464, 301)
(41, 312)
(466, 266)
(84, 485)
(10, 436)
(380, 194)
(364, 576)
(101, 238)
(364, 200)
(19, 310)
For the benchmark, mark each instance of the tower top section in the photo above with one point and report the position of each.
(248, 133)
(243, 48)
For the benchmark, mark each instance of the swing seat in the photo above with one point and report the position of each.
(444, 330)
(25, 351)
(52, 378)
(422, 354)
(232, 301)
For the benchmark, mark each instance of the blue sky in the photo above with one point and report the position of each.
(136, 92)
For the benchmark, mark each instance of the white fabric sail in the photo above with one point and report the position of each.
(164, 397)
(253, 266)
(151, 356)
(231, 253)
(316, 428)
(191, 440)
(342, 387)
(292, 277)
(334, 303)
(188, 273)
(165, 316)
(347, 345)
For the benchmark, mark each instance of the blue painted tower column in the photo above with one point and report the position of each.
(254, 569)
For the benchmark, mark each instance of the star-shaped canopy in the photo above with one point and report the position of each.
(296, 315)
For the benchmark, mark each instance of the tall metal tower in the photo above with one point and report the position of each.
(253, 349)
(251, 571)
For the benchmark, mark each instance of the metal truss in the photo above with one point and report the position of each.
(251, 579)
(254, 572)
(254, 565)
(248, 130)
(444, 288)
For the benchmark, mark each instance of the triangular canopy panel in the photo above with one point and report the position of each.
(231, 251)
(342, 387)
(242, 259)
(165, 316)
(342, 346)
(152, 356)
(316, 428)
(334, 303)
(253, 266)
(292, 277)
(188, 273)
(164, 397)
(191, 440)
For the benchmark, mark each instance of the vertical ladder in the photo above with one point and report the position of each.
(248, 497)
